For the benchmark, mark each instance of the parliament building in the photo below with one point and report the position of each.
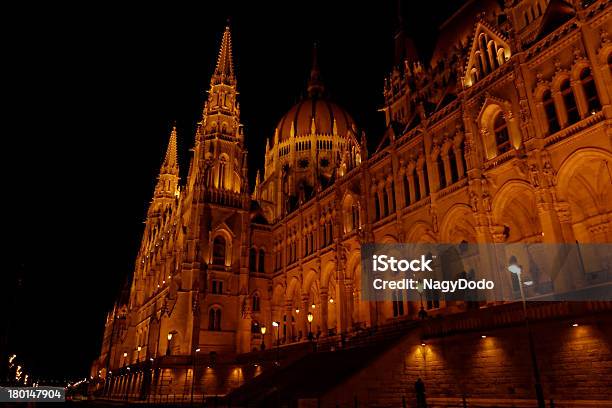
(253, 292)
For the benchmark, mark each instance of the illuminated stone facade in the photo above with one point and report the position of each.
(503, 136)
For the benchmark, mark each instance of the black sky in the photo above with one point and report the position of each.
(92, 92)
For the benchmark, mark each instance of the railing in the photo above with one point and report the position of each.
(508, 315)
(223, 197)
(575, 128)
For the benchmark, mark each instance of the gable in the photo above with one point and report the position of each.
(489, 51)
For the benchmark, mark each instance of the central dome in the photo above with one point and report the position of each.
(314, 115)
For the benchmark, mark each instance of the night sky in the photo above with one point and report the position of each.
(91, 95)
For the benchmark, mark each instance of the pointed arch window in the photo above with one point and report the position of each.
(590, 91)
(551, 113)
(214, 319)
(571, 109)
(385, 195)
(502, 137)
(256, 305)
(406, 189)
(440, 167)
(219, 250)
(417, 185)
(452, 163)
(252, 259)
(376, 207)
(221, 182)
(261, 266)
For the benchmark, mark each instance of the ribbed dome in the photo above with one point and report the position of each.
(323, 111)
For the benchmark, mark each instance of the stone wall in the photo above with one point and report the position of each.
(575, 364)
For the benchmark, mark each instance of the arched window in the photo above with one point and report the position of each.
(551, 113)
(391, 192)
(502, 137)
(256, 302)
(417, 185)
(386, 203)
(221, 182)
(441, 175)
(262, 261)
(376, 208)
(590, 91)
(252, 259)
(452, 163)
(406, 189)
(219, 250)
(570, 102)
(355, 210)
(324, 242)
(214, 319)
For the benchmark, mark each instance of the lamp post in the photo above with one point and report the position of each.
(422, 312)
(310, 318)
(193, 372)
(124, 358)
(518, 270)
(277, 325)
(168, 348)
(138, 353)
(263, 335)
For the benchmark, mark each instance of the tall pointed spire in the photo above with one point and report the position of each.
(224, 71)
(315, 86)
(170, 164)
(167, 182)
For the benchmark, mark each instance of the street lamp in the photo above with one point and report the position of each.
(169, 339)
(310, 318)
(124, 358)
(277, 325)
(138, 353)
(263, 335)
(517, 269)
(193, 372)
(422, 312)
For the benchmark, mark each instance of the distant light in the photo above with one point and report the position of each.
(331, 300)
(593, 112)
(313, 306)
(528, 283)
(275, 324)
(483, 336)
(423, 344)
(297, 310)
(152, 359)
(255, 365)
(125, 354)
(197, 350)
(169, 335)
(514, 268)
(139, 348)
(575, 325)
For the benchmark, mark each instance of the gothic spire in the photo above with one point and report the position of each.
(224, 71)
(170, 164)
(315, 85)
